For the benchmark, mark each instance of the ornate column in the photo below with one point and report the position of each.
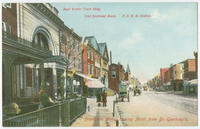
(55, 83)
(65, 83)
(35, 76)
(43, 84)
(7, 62)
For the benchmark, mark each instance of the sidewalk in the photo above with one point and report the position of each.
(97, 116)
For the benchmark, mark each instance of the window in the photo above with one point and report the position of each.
(69, 57)
(7, 5)
(79, 64)
(182, 67)
(91, 56)
(99, 59)
(61, 36)
(68, 40)
(6, 28)
(88, 53)
(88, 68)
(74, 43)
(78, 45)
(113, 74)
(3, 26)
(29, 75)
(92, 69)
(74, 62)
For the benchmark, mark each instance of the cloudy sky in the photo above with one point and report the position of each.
(147, 44)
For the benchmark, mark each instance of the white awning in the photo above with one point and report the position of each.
(84, 76)
(91, 82)
(193, 82)
(95, 83)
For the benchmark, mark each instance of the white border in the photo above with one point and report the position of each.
(106, 1)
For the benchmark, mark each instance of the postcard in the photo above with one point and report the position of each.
(99, 64)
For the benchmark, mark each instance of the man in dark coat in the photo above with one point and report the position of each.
(104, 96)
(98, 95)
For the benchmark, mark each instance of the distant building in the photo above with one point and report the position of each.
(178, 76)
(104, 63)
(168, 75)
(196, 64)
(189, 69)
(128, 75)
(162, 74)
(115, 76)
(178, 71)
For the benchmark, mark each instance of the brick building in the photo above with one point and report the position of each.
(196, 62)
(91, 57)
(168, 75)
(71, 49)
(189, 69)
(162, 74)
(91, 62)
(115, 76)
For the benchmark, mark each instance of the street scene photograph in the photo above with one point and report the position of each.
(95, 64)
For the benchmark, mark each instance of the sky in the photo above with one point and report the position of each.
(168, 35)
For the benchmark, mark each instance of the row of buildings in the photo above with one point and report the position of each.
(173, 77)
(39, 52)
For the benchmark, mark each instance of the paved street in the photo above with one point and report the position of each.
(159, 109)
(148, 109)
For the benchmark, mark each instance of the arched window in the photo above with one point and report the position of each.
(41, 41)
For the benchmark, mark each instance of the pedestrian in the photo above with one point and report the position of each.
(104, 96)
(98, 95)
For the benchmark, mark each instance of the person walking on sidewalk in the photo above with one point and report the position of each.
(98, 95)
(104, 95)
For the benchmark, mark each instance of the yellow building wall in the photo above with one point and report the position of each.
(104, 67)
(179, 71)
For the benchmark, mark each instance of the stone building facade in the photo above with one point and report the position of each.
(31, 53)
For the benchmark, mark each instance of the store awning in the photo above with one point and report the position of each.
(91, 82)
(95, 83)
(193, 82)
(167, 84)
(83, 76)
